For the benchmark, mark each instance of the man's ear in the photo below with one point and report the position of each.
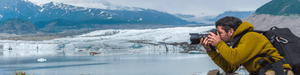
(231, 31)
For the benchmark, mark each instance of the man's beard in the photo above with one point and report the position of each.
(227, 41)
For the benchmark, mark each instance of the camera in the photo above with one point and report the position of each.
(195, 37)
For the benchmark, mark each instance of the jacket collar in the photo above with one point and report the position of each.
(245, 26)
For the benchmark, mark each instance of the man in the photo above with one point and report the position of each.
(245, 51)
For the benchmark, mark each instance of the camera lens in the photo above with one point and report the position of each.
(203, 36)
(195, 39)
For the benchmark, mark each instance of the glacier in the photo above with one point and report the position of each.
(101, 5)
(106, 42)
(91, 4)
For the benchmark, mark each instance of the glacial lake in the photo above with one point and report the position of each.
(139, 64)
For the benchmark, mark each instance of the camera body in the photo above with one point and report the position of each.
(195, 37)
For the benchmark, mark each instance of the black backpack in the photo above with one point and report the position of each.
(287, 44)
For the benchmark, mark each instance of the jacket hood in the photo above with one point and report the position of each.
(245, 26)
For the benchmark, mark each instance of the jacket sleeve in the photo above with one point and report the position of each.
(221, 62)
(248, 46)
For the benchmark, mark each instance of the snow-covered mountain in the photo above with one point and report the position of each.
(17, 9)
(238, 14)
(213, 18)
(108, 42)
(34, 13)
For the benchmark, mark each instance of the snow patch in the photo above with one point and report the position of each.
(120, 7)
(109, 17)
(1, 16)
(41, 10)
(102, 12)
(26, 0)
(87, 5)
(92, 14)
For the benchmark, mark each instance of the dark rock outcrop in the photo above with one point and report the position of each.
(17, 26)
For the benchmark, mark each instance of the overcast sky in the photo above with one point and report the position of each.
(198, 8)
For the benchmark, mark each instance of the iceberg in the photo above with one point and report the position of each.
(41, 60)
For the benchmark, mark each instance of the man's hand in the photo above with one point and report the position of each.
(213, 38)
(204, 43)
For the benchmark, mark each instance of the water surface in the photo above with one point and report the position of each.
(144, 64)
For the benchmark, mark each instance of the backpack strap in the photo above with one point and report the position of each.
(237, 38)
(275, 66)
(272, 39)
(274, 27)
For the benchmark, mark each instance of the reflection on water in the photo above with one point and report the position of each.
(143, 64)
(33, 60)
(79, 52)
(48, 67)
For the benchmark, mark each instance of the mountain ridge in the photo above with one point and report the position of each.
(280, 13)
(280, 7)
(213, 19)
(238, 14)
(54, 10)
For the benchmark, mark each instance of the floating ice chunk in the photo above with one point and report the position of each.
(41, 60)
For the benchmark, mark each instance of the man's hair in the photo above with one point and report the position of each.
(229, 22)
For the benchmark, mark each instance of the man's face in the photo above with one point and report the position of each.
(226, 37)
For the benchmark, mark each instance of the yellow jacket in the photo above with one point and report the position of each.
(250, 45)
